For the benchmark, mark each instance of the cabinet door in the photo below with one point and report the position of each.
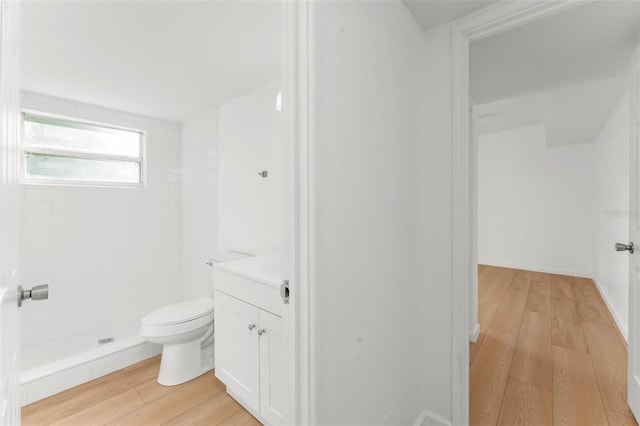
(236, 348)
(272, 369)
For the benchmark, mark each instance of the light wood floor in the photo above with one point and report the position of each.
(132, 396)
(549, 353)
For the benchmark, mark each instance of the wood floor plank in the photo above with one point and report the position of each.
(67, 403)
(525, 404)
(169, 406)
(486, 313)
(38, 410)
(486, 277)
(591, 308)
(105, 411)
(488, 376)
(498, 286)
(532, 360)
(241, 418)
(152, 390)
(523, 273)
(562, 286)
(610, 365)
(211, 411)
(576, 397)
(199, 401)
(510, 311)
(566, 327)
(616, 419)
(539, 299)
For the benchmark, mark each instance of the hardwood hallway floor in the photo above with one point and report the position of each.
(549, 353)
(132, 396)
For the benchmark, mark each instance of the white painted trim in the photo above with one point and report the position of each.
(483, 23)
(49, 379)
(474, 333)
(473, 261)
(621, 326)
(429, 418)
(297, 73)
(538, 269)
(54, 367)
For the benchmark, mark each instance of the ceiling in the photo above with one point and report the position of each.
(430, 13)
(584, 43)
(571, 115)
(165, 59)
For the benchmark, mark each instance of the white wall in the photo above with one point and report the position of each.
(250, 140)
(199, 202)
(535, 203)
(612, 212)
(366, 128)
(109, 255)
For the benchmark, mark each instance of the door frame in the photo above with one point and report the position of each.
(481, 24)
(296, 94)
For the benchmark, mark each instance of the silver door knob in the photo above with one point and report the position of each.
(251, 326)
(261, 331)
(39, 292)
(624, 247)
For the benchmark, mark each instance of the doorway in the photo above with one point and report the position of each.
(478, 30)
(285, 64)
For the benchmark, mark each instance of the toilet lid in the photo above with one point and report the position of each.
(179, 312)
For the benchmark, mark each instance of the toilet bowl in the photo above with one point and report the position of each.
(182, 328)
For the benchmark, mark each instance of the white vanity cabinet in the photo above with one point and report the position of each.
(249, 347)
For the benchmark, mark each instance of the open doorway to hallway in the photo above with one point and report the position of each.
(551, 139)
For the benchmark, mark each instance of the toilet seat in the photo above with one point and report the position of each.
(175, 329)
(178, 318)
(179, 313)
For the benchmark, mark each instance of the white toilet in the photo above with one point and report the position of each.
(184, 329)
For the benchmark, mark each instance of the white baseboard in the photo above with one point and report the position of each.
(537, 269)
(616, 317)
(473, 334)
(49, 379)
(429, 418)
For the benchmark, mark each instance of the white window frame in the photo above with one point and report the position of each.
(71, 153)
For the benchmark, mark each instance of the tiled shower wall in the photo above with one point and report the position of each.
(109, 255)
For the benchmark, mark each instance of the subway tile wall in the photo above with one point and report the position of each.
(109, 255)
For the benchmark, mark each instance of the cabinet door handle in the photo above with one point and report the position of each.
(261, 331)
(251, 326)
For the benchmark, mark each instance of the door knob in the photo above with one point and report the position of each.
(39, 292)
(624, 247)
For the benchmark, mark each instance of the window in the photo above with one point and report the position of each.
(58, 150)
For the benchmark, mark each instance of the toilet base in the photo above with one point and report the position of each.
(181, 363)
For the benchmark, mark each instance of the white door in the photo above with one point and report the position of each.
(236, 348)
(9, 125)
(272, 369)
(634, 236)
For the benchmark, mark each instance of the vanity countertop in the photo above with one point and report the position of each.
(264, 269)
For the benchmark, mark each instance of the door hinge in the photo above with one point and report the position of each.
(284, 292)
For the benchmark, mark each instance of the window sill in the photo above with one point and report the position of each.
(46, 183)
